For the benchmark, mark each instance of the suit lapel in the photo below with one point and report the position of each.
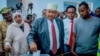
(59, 27)
(46, 29)
(46, 26)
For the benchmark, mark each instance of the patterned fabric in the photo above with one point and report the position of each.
(98, 53)
(3, 29)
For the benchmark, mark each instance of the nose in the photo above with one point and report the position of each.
(50, 13)
(8, 15)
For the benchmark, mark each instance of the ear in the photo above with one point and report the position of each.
(57, 12)
(65, 13)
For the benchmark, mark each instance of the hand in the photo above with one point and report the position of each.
(7, 48)
(33, 47)
(73, 53)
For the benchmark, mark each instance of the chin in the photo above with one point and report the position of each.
(84, 17)
(50, 18)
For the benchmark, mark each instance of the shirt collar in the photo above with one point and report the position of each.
(50, 21)
(70, 20)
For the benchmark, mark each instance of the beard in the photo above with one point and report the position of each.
(84, 17)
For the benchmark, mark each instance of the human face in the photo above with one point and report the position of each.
(7, 16)
(51, 14)
(18, 19)
(30, 20)
(44, 13)
(70, 13)
(97, 12)
(83, 11)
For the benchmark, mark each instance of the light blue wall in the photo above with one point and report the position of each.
(12, 3)
(95, 2)
(3, 3)
(39, 5)
(7, 3)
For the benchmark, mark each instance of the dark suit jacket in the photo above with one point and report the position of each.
(40, 33)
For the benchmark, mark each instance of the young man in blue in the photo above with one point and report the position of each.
(68, 28)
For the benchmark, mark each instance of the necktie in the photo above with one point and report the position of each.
(71, 34)
(54, 47)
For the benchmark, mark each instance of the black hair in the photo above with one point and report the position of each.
(85, 4)
(28, 17)
(98, 8)
(70, 6)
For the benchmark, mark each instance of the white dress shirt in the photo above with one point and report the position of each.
(67, 30)
(50, 33)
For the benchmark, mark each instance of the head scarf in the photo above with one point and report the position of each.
(14, 22)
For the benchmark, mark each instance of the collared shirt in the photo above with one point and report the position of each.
(50, 33)
(67, 30)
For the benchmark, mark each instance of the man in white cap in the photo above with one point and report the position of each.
(48, 32)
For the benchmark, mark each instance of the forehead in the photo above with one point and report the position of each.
(97, 9)
(82, 7)
(18, 15)
(49, 10)
(70, 9)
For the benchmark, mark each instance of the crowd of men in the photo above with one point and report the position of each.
(55, 33)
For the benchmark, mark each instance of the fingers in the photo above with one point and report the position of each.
(7, 48)
(74, 53)
(33, 47)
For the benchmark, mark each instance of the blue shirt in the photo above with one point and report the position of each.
(67, 30)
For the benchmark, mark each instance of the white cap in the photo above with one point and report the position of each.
(52, 6)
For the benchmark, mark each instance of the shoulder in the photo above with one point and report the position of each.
(1, 25)
(26, 24)
(40, 19)
(77, 20)
(58, 20)
(11, 26)
(1, 22)
(64, 20)
(95, 18)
